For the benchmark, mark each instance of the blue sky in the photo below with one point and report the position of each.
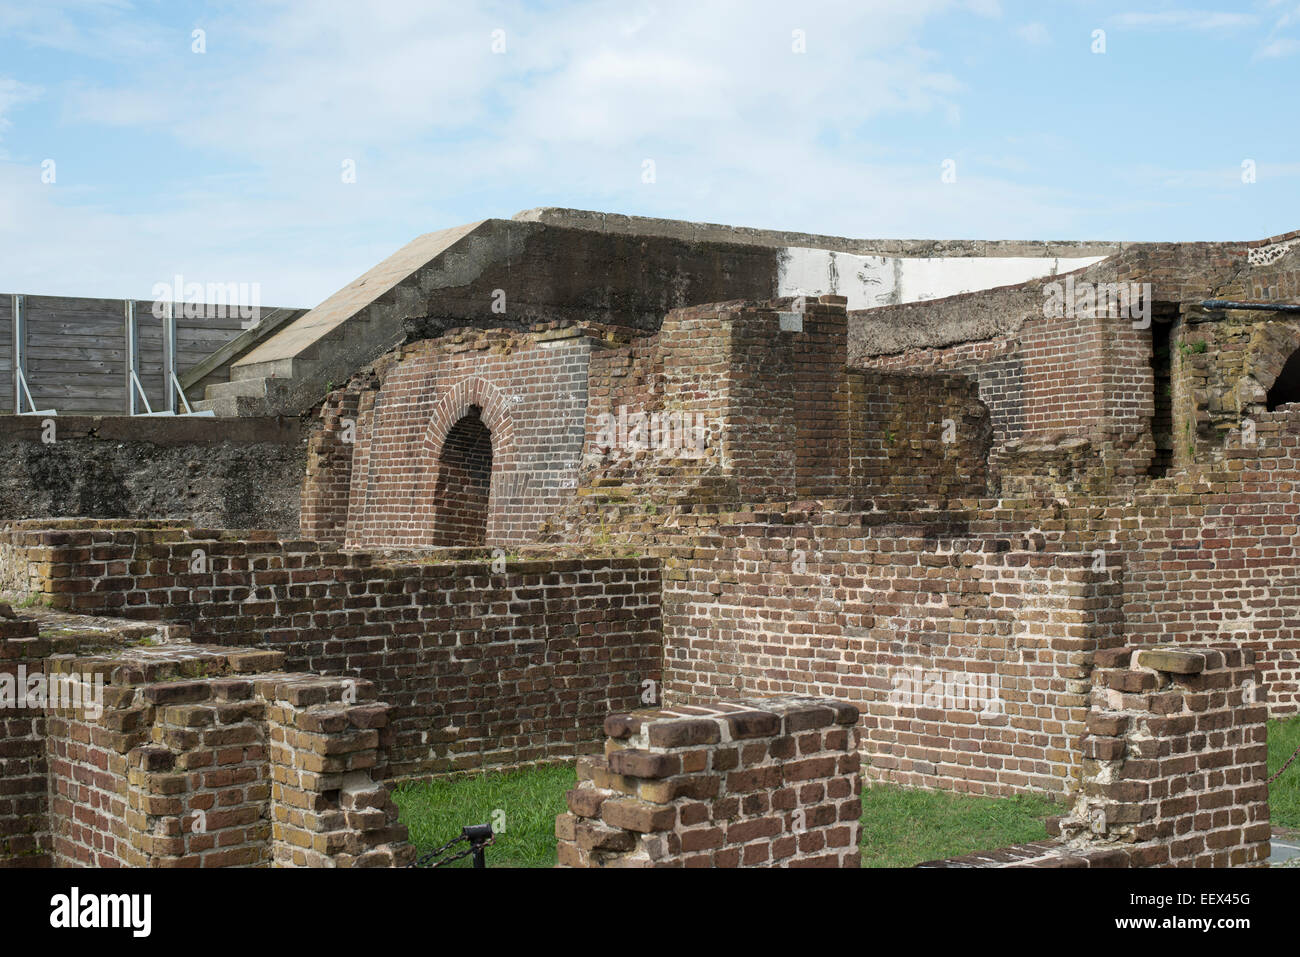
(227, 165)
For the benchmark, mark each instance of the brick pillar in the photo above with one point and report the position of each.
(198, 794)
(200, 758)
(764, 783)
(821, 397)
(24, 805)
(1175, 758)
(329, 806)
(328, 481)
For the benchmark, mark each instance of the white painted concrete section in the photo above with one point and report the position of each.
(870, 281)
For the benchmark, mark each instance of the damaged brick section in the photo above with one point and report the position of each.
(192, 756)
(771, 782)
(1174, 767)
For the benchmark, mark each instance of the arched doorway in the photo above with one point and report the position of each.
(1286, 387)
(464, 483)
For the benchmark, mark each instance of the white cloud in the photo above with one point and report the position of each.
(97, 29)
(1035, 34)
(1281, 47)
(1186, 20)
(1276, 46)
(12, 93)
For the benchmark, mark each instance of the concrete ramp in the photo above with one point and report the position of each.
(355, 325)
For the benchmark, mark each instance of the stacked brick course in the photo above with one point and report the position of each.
(763, 783)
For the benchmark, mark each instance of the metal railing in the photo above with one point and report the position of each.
(477, 836)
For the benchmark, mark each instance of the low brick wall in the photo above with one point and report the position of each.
(763, 783)
(192, 756)
(486, 662)
(1175, 767)
(1176, 753)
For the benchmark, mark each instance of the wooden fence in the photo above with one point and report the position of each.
(75, 350)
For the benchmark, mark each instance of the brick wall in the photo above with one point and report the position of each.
(1176, 753)
(1224, 366)
(917, 437)
(24, 802)
(779, 418)
(764, 783)
(968, 653)
(486, 662)
(327, 479)
(1213, 557)
(1070, 387)
(196, 756)
(1073, 400)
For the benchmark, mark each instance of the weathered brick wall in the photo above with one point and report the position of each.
(821, 396)
(1224, 366)
(968, 654)
(1067, 387)
(327, 481)
(487, 662)
(199, 756)
(1213, 556)
(762, 783)
(723, 347)
(778, 418)
(1208, 554)
(24, 800)
(917, 437)
(1073, 399)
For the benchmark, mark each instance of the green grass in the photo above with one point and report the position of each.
(902, 827)
(525, 801)
(1284, 795)
(899, 828)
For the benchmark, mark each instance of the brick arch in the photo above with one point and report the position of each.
(1270, 348)
(455, 404)
(494, 413)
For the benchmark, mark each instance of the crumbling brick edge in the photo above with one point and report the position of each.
(1174, 767)
(768, 782)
